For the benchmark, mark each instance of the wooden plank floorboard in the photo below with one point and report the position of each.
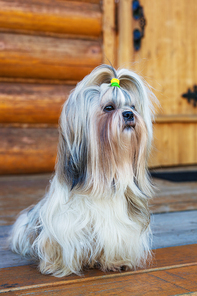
(174, 229)
(173, 271)
(171, 196)
(18, 193)
(169, 229)
(161, 283)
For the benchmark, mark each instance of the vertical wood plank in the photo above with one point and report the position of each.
(109, 32)
(125, 34)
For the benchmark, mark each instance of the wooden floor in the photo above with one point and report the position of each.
(173, 270)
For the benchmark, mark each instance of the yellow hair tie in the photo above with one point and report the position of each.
(115, 82)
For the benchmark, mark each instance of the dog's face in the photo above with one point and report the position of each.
(105, 133)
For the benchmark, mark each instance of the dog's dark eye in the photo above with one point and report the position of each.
(133, 107)
(109, 108)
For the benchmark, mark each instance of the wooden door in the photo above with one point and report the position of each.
(167, 59)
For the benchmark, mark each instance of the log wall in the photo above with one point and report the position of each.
(46, 47)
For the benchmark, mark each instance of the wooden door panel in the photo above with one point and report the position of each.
(167, 60)
(174, 144)
(167, 57)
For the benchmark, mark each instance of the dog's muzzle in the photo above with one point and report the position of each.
(129, 119)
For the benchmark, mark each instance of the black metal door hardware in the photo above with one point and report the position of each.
(191, 96)
(138, 15)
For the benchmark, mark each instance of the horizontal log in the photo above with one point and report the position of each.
(32, 103)
(27, 150)
(47, 58)
(62, 17)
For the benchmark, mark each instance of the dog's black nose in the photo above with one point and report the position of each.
(128, 115)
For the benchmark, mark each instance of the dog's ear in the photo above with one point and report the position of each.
(71, 164)
(75, 165)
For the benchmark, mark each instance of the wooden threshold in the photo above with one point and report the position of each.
(172, 272)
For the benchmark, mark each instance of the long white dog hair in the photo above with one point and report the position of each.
(96, 210)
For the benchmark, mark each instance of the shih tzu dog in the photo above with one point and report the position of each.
(96, 210)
